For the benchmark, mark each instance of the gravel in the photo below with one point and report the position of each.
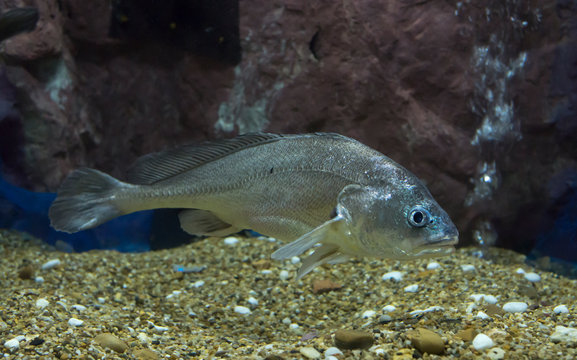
(162, 311)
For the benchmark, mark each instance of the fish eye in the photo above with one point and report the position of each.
(418, 217)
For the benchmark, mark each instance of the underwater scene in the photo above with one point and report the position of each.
(291, 179)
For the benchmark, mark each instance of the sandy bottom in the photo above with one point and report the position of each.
(241, 305)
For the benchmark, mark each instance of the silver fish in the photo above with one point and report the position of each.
(304, 189)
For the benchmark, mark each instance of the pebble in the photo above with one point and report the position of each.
(110, 341)
(416, 313)
(389, 308)
(564, 334)
(295, 260)
(468, 268)
(12, 344)
(427, 341)
(393, 275)
(143, 338)
(496, 354)
(532, 277)
(78, 307)
(433, 265)
(481, 315)
(333, 351)
(310, 352)
(284, 275)
(561, 309)
(353, 339)
(412, 288)
(145, 354)
(489, 299)
(515, 307)
(42, 303)
(325, 285)
(198, 283)
(39, 279)
(50, 264)
(252, 301)
(243, 310)
(231, 240)
(369, 314)
(482, 342)
(75, 322)
(26, 273)
(467, 334)
(520, 271)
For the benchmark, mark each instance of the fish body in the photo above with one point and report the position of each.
(303, 189)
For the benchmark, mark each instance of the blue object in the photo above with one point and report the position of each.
(27, 211)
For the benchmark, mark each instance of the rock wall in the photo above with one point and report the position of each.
(397, 75)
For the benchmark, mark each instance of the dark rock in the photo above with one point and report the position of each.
(353, 339)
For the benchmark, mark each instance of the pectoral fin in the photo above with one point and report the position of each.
(308, 240)
(327, 253)
(202, 222)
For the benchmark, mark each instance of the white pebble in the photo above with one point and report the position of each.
(368, 314)
(161, 328)
(468, 267)
(520, 271)
(310, 352)
(561, 309)
(12, 344)
(78, 307)
(482, 315)
(198, 283)
(286, 321)
(515, 307)
(564, 334)
(532, 277)
(143, 338)
(482, 342)
(393, 275)
(489, 299)
(294, 326)
(415, 313)
(231, 240)
(252, 301)
(39, 279)
(389, 308)
(75, 322)
(101, 300)
(284, 275)
(42, 303)
(295, 260)
(412, 288)
(433, 265)
(243, 310)
(266, 272)
(50, 264)
(332, 351)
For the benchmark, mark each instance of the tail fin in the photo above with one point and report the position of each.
(85, 200)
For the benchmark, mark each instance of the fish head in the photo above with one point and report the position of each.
(398, 222)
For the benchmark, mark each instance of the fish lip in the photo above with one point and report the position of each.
(441, 244)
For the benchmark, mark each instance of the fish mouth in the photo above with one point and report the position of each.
(437, 247)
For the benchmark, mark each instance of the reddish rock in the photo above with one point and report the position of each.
(395, 75)
(325, 285)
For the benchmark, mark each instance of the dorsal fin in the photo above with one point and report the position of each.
(159, 166)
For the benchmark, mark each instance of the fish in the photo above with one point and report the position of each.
(323, 192)
(16, 21)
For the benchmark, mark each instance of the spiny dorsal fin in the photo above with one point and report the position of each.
(156, 167)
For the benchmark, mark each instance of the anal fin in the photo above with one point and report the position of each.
(203, 222)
